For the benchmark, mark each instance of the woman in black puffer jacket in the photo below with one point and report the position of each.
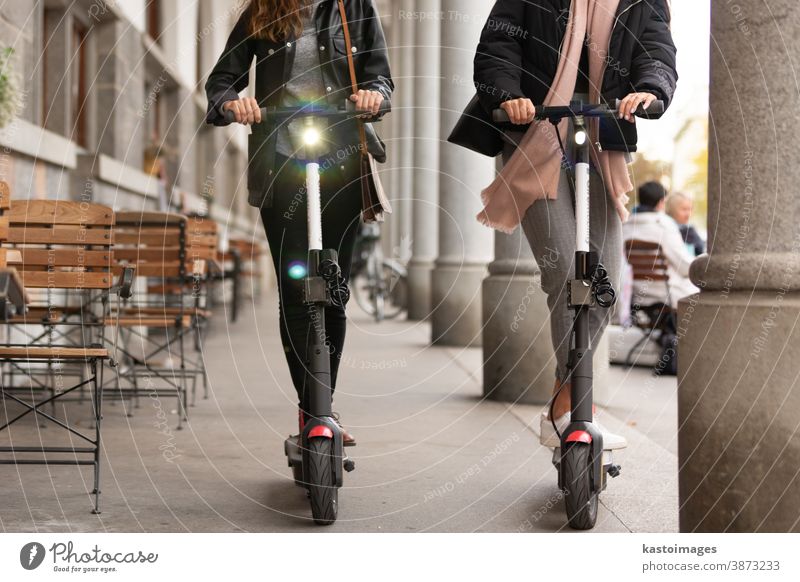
(626, 52)
(519, 53)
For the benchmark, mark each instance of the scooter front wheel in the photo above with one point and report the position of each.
(322, 490)
(580, 498)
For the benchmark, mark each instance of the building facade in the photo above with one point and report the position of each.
(105, 89)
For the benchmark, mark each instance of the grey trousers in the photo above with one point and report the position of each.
(549, 226)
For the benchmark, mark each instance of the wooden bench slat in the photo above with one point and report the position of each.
(134, 218)
(51, 212)
(63, 258)
(157, 270)
(151, 240)
(53, 353)
(150, 321)
(145, 255)
(76, 236)
(5, 196)
(66, 280)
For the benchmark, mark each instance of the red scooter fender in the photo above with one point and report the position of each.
(584, 434)
(328, 429)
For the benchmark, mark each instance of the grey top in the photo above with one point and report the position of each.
(305, 85)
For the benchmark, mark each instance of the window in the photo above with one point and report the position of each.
(153, 17)
(78, 84)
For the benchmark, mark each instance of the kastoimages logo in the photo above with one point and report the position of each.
(31, 555)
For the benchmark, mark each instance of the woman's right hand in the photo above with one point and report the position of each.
(520, 111)
(245, 110)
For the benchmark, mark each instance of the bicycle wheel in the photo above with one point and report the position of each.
(363, 289)
(395, 284)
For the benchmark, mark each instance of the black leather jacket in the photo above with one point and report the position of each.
(274, 62)
(520, 49)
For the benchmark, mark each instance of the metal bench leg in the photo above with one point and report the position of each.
(98, 417)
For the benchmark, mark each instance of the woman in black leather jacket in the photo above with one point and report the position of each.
(300, 58)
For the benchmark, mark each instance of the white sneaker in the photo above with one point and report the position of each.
(547, 434)
(549, 438)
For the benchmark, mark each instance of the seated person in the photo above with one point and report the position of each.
(679, 207)
(649, 223)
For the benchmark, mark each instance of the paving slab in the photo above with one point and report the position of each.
(433, 456)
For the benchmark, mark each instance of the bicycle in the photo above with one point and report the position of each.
(379, 285)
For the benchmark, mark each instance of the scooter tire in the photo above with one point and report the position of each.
(580, 499)
(322, 491)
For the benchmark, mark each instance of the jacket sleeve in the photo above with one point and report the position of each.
(498, 60)
(653, 65)
(374, 72)
(230, 75)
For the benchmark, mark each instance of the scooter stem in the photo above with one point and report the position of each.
(582, 356)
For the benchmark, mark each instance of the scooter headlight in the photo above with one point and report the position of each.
(311, 136)
(580, 137)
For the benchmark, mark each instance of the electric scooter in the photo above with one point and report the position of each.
(316, 455)
(581, 461)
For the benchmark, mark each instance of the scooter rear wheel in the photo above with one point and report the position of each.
(322, 490)
(581, 501)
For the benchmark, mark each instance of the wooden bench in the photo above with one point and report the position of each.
(62, 254)
(162, 312)
(650, 267)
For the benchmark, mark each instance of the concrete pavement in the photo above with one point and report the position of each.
(432, 454)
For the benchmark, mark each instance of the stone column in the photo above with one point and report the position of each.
(426, 156)
(391, 131)
(739, 348)
(403, 111)
(465, 246)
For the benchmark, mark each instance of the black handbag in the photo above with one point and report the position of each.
(476, 131)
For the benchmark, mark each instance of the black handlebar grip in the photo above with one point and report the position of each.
(656, 109)
(500, 116)
(350, 107)
(229, 117)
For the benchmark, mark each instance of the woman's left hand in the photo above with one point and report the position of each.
(367, 101)
(631, 103)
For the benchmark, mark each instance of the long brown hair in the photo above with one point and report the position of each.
(277, 20)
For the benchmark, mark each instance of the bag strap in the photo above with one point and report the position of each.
(362, 134)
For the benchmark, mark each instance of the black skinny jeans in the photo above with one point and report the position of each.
(287, 232)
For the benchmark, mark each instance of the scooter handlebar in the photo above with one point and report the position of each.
(346, 112)
(655, 110)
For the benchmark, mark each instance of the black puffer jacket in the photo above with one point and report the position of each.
(274, 62)
(518, 56)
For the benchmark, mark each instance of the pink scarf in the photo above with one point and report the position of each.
(533, 172)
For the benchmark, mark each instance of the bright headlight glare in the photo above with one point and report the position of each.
(311, 136)
(580, 137)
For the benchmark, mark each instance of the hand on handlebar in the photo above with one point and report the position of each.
(367, 101)
(631, 103)
(520, 111)
(246, 110)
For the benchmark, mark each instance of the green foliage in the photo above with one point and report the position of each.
(646, 170)
(9, 88)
